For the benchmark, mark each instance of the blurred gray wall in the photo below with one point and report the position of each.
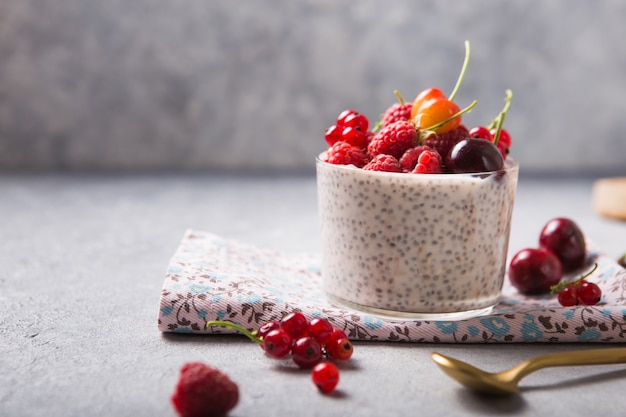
(252, 84)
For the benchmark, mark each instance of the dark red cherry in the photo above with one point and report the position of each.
(534, 271)
(564, 238)
(474, 155)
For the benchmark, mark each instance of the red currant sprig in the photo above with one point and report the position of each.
(579, 291)
(308, 343)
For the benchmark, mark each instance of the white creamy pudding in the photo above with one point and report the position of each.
(414, 245)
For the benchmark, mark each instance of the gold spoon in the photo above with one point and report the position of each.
(506, 382)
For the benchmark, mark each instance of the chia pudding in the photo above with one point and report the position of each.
(412, 245)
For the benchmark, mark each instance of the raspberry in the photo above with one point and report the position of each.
(342, 153)
(393, 139)
(397, 112)
(443, 142)
(428, 162)
(383, 162)
(203, 391)
(409, 158)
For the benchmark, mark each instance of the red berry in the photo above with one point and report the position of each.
(339, 349)
(354, 136)
(333, 135)
(306, 352)
(480, 132)
(383, 162)
(356, 120)
(321, 330)
(342, 153)
(504, 141)
(296, 324)
(203, 391)
(341, 119)
(436, 111)
(393, 139)
(397, 112)
(325, 376)
(277, 343)
(588, 293)
(429, 162)
(564, 238)
(534, 271)
(410, 156)
(567, 296)
(267, 327)
(442, 143)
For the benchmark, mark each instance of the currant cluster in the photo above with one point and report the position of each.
(425, 136)
(540, 270)
(310, 344)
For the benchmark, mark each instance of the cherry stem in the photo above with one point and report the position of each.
(459, 80)
(229, 324)
(400, 98)
(562, 285)
(499, 121)
(454, 116)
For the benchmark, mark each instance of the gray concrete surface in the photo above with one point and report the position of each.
(82, 260)
(194, 85)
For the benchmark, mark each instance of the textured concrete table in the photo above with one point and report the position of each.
(82, 260)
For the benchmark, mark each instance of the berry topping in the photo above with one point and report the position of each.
(439, 111)
(429, 162)
(393, 139)
(354, 136)
(443, 142)
(564, 238)
(325, 376)
(383, 162)
(409, 158)
(474, 155)
(203, 391)
(342, 153)
(534, 271)
(333, 135)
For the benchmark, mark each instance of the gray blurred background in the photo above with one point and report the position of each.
(250, 85)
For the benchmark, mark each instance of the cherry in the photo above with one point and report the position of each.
(534, 270)
(306, 352)
(474, 155)
(436, 111)
(277, 343)
(427, 95)
(564, 238)
(325, 376)
(295, 324)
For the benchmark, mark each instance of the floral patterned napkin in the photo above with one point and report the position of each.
(212, 278)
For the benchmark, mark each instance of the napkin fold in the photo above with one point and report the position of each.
(213, 278)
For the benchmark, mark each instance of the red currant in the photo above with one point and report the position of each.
(325, 376)
(277, 343)
(295, 324)
(340, 349)
(354, 136)
(306, 352)
(266, 328)
(333, 135)
(341, 119)
(504, 141)
(568, 297)
(321, 330)
(588, 293)
(357, 120)
(481, 132)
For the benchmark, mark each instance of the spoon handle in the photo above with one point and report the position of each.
(574, 358)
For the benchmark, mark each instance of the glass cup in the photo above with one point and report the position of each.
(415, 246)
